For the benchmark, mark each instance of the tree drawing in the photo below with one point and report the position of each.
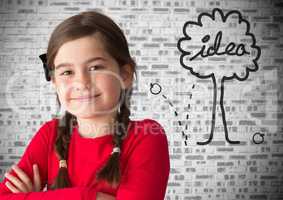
(219, 47)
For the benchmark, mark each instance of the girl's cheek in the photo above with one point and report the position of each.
(113, 79)
(110, 85)
(63, 91)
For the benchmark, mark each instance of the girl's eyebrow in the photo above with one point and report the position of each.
(86, 62)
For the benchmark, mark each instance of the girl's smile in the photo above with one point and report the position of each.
(85, 98)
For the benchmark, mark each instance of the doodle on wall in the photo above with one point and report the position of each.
(155, 89)
(228, 52)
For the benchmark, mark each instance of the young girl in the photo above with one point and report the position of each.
(94, 151)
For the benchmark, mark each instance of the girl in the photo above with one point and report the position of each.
(94, 151)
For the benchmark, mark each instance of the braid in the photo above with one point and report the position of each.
(62, 147)
(111, 171)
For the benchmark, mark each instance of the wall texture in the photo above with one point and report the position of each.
(243, 159)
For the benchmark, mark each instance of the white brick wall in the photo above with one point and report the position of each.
(216, 171)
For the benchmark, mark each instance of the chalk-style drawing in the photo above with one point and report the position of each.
(155, 89)
(219, 47)
(258, 138)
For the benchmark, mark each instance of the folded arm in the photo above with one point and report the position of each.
(148, 167)
(36, 153)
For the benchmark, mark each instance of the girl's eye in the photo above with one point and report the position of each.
(92, 68)
(66, 72)
(96, 67)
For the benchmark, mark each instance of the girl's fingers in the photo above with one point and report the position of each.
(36, 178)
(24, 178)
(12, 188)
(20, 185)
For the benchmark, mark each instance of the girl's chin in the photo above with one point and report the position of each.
(89, 112)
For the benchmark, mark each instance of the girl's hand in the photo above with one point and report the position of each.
(104, 196)
(23, 183)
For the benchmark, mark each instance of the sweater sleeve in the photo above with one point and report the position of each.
(147, 172)
(74, 193)
(37, 153)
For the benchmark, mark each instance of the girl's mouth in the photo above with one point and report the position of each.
(85, 98)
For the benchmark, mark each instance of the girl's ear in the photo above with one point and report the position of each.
(127, 74)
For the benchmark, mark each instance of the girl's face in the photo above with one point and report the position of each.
(87, 79)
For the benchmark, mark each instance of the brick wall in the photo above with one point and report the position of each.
(165, 91)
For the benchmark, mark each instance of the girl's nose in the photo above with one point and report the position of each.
(83, 80)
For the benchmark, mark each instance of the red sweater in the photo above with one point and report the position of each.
(144, 162)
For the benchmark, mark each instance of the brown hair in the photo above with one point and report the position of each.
(85, 24)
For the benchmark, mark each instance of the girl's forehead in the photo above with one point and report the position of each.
(81, 49)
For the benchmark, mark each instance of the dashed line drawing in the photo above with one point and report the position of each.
(155, 89)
